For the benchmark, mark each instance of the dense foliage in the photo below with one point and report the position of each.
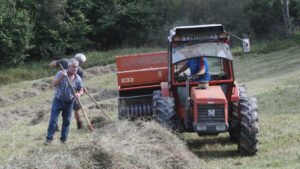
(48, 29)
(15, 33)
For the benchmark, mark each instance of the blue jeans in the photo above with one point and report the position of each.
(66, 108)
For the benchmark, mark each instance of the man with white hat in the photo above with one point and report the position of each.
(64, 62)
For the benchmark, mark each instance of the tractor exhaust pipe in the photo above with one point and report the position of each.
(187, 108)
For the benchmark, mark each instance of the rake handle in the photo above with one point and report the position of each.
(97, 104)
(87, 119)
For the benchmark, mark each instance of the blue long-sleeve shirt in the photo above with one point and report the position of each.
(196, 65)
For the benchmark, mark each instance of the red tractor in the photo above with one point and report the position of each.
(152, 85)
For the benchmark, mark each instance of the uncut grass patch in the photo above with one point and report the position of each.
(32, 70)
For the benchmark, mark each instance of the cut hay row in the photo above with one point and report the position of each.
(115, 144)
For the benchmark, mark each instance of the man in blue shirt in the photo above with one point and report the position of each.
(198, 67)
(64, 100)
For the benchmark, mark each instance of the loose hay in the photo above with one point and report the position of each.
(4, 101)
(106, 94)
(115, 144)
(111, 107)
(4, 122)
(44, 85)
(148, 145)
(45, 158)
(99, 70)
(40, 116)
(20, 95)
(93, 89)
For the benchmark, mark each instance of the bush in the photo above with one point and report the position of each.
(15, 33)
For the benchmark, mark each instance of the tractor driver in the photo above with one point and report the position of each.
(198, 67)
(199, 73)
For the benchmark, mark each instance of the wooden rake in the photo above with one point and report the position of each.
(97, 104)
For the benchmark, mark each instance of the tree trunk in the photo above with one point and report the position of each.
(286, 17)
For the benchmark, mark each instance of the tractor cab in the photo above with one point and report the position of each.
(202, 109)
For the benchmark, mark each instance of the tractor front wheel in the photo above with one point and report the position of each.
(165, 111)
(248, 140)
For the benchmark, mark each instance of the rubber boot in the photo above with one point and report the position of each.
(79, 125)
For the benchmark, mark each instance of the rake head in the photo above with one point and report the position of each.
(91, 127)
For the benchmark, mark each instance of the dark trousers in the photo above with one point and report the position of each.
(57, 107)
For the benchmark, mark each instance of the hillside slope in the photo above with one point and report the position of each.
(273, 78)
(24, 114)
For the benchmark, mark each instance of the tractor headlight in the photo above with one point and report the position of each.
(201, 127)
(222, 35)
(220, 127)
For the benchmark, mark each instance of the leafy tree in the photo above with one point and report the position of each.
(49, 24)
(77, 27)
(60, 27)
(295, 10)
(15, 33)
(63, 27)
(264, 16)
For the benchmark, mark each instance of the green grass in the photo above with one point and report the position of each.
(264, 47)
(28, 71)
(35, 70)
(24, 139)
(274, 80)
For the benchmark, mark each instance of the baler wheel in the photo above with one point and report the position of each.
(248, 141)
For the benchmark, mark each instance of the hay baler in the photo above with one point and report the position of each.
(151, 85)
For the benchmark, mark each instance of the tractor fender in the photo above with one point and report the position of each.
(165, 89)
(235, 92)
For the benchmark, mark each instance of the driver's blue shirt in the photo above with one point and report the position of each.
(195, 66)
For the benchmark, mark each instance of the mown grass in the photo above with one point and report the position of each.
(264, 46)
(35, 70)
(273, 79)
(114, 144)
(23, 139)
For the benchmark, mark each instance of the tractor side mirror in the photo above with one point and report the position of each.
(246, 45)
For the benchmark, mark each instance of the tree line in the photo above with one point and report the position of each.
(50, 29)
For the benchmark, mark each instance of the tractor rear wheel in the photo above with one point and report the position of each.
(165, 111)
(248, 140)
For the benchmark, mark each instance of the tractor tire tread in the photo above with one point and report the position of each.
(248, 141)
(166, 114)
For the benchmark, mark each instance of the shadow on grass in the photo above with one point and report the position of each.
(196, 145)
(214, 154)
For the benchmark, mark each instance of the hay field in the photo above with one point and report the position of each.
(273, 78)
